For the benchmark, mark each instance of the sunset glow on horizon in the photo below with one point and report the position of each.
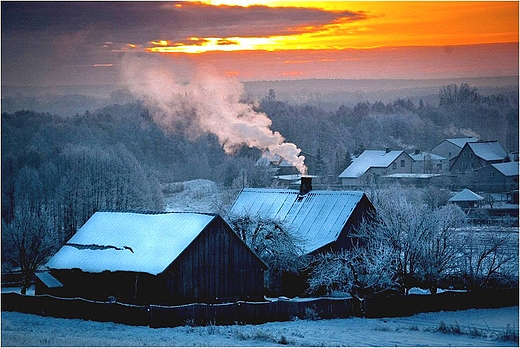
(369, 25)
(260, 40)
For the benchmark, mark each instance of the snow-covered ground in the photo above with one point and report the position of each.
(200, 196)
(474, 327)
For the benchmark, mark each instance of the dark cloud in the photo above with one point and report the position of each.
(141, 22)
(58, 35)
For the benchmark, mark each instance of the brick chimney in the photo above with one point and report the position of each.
(306, 185)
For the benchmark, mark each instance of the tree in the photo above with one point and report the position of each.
(28, 240)
(487, 255)
(362, 272)
(440, 247)
(271, 241)
(453, 95)
(422, 239)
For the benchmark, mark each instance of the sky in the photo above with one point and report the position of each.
(88, 43)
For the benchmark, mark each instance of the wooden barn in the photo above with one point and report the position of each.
(323, 220)
(165, 258)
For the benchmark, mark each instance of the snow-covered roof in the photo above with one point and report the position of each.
(268, 158)
(488, 150)
(460, 142)
(369, 159)
(508, 168)
(317, 218)
(412, 176)
(466, 195)
(426, 156)
(114, 241)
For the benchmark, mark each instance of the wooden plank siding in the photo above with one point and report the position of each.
(217, 267)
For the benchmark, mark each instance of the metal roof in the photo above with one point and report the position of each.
(147, 243)
(317, 218)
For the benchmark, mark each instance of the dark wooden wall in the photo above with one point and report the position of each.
(216, 267)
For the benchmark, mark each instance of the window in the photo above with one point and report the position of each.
(464, 165)
(471, 165)
(403, 163)
(394, 165)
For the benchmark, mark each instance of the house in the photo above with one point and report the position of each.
(497, 177)
(280, 167)
(476, 155)
(429, 163)
(322, 220)
(450, 148)
(372, 164)
(164, 258)
(467, 199)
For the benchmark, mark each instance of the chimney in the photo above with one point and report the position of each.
(388, 150)
(306, 185)
(417, 151)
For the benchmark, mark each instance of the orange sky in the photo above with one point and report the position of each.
(79, 42)
(387, 23)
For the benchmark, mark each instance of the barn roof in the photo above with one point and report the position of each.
(369, 159)
(115, 241)
(466, 195)
(317, 218)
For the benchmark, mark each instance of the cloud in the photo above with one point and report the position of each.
(142, 22)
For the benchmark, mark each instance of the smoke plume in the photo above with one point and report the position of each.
(191, 98)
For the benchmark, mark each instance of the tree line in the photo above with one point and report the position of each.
(57, 170)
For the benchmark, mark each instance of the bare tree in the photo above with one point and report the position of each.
(451, 95)
(488, 255)
(28, 240)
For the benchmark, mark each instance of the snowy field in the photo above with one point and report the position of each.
(474, 327)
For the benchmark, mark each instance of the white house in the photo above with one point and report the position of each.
(372, 164)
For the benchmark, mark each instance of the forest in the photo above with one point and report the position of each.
(57, 170)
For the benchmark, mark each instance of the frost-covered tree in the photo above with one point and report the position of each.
(95, 179)
(401, 226)
(440, 247)
(423, 240)
(271, 241)
(361, 272)
(28, 240)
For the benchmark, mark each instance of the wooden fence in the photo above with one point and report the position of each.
(253, 312)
